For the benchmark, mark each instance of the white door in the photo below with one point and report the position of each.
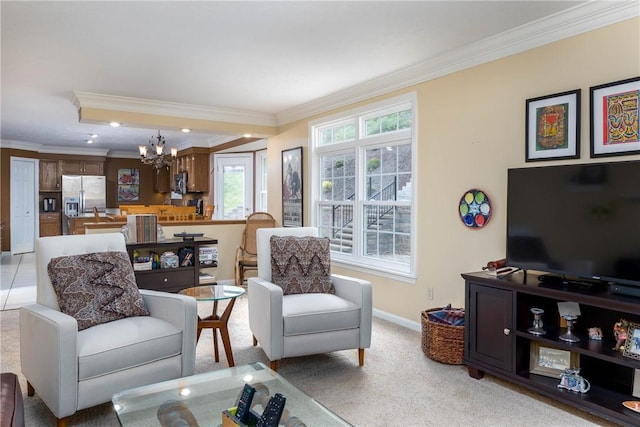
(233, 186)
(24, 204)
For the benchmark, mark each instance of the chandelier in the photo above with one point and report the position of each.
(153, 154)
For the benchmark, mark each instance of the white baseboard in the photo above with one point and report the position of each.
(416, 326)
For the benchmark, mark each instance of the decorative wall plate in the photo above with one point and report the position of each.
(475, 208)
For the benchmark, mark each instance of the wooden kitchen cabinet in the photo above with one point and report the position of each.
(195, 162)
(50, 224)
(162, 181)
(50, 175)
(82, 167)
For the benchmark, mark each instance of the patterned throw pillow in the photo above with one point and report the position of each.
(301, 265)
(96, 288)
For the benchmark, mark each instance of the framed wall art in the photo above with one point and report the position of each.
(475, 208)
(632, 343)
(292, 197)
(551, 362)
(553, 127)
(614, 118)
(128, 185)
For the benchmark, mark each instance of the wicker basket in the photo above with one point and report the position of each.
(440, 342)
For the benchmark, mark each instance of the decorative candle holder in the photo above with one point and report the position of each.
(537, 329)
(569, 336)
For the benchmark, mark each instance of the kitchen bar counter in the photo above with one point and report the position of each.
(74, 224)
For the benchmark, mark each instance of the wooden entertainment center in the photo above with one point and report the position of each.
(498, 314)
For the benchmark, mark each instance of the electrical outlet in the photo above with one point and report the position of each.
(430, 293)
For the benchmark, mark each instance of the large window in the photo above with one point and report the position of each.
(362, 180)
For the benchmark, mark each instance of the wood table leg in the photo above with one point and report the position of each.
(214, 331)
(216, 322)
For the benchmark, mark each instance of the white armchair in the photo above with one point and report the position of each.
(72, 370)
(304, 324)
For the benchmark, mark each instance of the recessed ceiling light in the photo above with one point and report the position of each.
(94, 135)
(89, 141)
(247, 135)
(114, 124)
(185, 130)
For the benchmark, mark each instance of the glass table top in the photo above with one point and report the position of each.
(207, 395)
(213, 292)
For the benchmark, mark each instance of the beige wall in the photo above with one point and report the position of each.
(471, 128)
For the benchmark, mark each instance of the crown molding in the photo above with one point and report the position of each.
(571, 22)
(53, 149)
(172, 109)
(19, 145)
(121, 154)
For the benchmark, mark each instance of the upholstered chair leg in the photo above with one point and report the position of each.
(255, 341)
(273, 365)
(30, 390)
(361, 356)
(62, 422)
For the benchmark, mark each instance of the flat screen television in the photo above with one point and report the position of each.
(577, 221)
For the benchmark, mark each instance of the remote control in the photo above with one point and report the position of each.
(244, 403)
(272, 413)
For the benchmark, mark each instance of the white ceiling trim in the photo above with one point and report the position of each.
(172, 109)
(53, 149)
(574, 21)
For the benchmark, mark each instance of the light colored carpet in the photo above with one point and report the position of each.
(398, 384)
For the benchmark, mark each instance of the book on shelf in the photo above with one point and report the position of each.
(208, 255)
(142, 228)
(206, 278)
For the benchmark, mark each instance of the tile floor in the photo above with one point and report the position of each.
(17, 280)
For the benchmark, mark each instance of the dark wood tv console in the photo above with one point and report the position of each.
(497, 342)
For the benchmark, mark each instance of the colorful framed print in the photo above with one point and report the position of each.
(614, 118)
(549, 361)
(553, 127)
(292, 200)
(128, 192)
(632, 343)
(128, 185)
(128, 176)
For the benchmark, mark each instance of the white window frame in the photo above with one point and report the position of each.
(359, 145)
(220, 160)
(262, 171)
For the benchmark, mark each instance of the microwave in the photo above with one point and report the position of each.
(180, 183)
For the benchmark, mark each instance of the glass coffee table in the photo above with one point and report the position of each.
(216, 293)
(204, 397)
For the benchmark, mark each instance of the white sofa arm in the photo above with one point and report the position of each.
(182, 312)
(359, 292)
(48, 354)
(265, 316)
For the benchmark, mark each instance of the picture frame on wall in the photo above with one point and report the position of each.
(632, 343)
(128, 185)
(615, 111)
(553, 126)
(292, 190)
(550, 361)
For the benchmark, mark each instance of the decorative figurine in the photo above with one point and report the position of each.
(571, 380)
(620, 333)
(595, 334)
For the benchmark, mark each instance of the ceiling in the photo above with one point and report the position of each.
(254, 65)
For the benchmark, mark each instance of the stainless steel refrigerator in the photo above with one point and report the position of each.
(91, 191)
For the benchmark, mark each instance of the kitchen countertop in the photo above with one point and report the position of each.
(85, 215)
